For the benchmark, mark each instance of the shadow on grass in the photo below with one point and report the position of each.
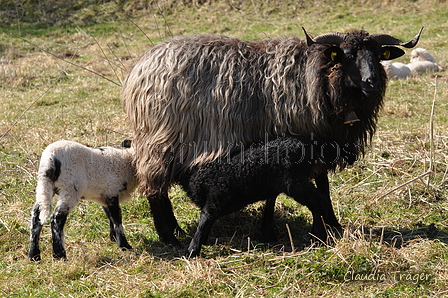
(399, 238)
(238, 232)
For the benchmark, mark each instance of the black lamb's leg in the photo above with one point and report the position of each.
(112, 235)
(267, 223)
(113, 211)
(164, 220)
(206, 221)
(322, 183)
(317, 202)
(36, 228)
(324, 186)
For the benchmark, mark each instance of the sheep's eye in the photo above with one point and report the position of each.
(385, 55)
(333, 56)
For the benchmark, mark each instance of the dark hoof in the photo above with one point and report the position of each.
(179, 232)
(35, 258)
(63, 258)
(34, 253)
(60, 256)
(191, 253)
(127, 247)
(172, 240)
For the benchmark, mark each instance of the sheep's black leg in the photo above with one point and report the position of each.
(112, 235)
(58, 219)
(322, 183)
(317, 202)
(324, 186)
(164, 220)
(36, 228)
(267, 224)
(206, 221)
(115, 220)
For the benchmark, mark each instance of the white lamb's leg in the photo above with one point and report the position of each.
(67, 201)
(36, 228)
(113, 212)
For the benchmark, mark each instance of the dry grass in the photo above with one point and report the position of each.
(395, 222)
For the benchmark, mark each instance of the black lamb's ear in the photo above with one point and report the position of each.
(389, 53)
(334, 54)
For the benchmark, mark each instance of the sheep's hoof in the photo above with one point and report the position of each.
(191, 253)
(60, 256)
(34, 253)
(35, 258)
(127, 247)
(63, 258)
(172, 240)
(178, 232)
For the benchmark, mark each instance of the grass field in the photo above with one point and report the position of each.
(394, 212)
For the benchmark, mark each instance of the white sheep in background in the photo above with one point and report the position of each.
(74, 172)
(422, 61)
(396, 70)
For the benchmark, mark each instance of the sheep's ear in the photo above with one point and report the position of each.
(334, 54)
(389, 53)
(126, 144)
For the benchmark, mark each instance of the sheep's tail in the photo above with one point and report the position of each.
(45, 190)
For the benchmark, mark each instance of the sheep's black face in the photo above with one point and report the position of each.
(361, 64)
(359, 57)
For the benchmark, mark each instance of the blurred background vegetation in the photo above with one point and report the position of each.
(60, 13)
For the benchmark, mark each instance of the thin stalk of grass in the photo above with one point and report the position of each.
(431, 135)
(27, 109)
(430, 171)
(290, 238)
(402, 185)
(69, 62)
(105, 57)
(138, 27)
(167, 27)
(307, 276)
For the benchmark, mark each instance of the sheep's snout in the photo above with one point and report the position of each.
(370, 87)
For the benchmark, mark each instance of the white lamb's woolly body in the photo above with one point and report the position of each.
(90, 173)
(396, 70)
(422, 67)
(421, 61)
(420, 54)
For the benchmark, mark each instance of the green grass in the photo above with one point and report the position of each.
(44, 99)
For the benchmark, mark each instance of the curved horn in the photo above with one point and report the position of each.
(331, 38)
(385, 39)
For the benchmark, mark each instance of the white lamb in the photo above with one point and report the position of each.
(422, 61)
(74, 172)
(396, 70)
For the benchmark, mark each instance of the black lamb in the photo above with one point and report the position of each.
(261, 172)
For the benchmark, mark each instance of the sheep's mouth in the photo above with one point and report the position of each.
(369, 89)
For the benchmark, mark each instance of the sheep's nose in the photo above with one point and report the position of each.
(369, 87)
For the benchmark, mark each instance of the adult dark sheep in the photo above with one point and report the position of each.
(191, 100)
(262, 172)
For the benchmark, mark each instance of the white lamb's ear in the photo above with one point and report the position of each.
(126, 144)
